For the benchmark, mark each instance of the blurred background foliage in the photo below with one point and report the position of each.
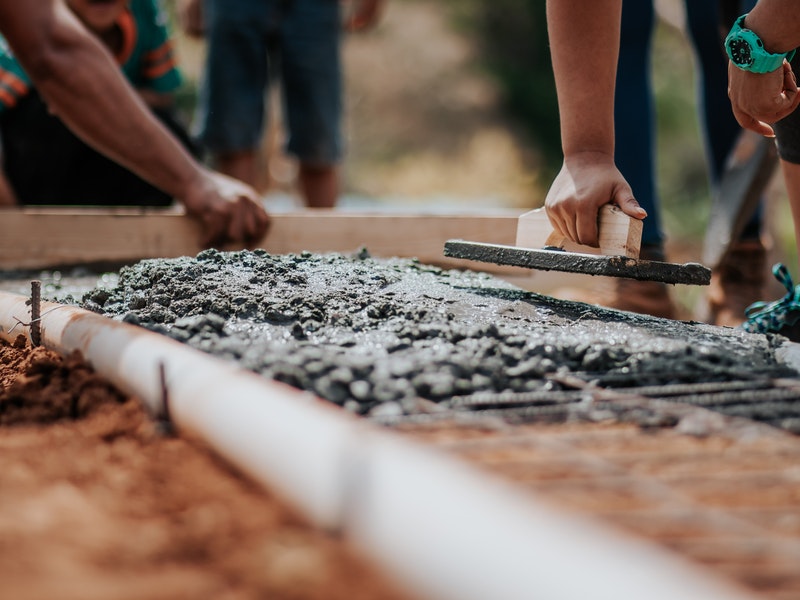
(514, 51)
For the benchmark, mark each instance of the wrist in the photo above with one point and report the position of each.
(192, 187)
(748, 52)
(589, 157)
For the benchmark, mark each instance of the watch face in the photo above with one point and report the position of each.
(740, 52)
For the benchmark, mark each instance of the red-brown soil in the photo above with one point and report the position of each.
(95, 503)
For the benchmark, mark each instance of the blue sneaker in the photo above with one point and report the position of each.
(779, 316)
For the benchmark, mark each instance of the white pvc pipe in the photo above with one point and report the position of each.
(442, 528)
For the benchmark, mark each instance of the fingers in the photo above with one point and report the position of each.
(586, 228)
(586, 223)
(748, 122)
(789, 81)
(240, 221)
(215, 230)
(574, 223)
(629, 205)
(581, 225)
(248, 223)
(561, 221)
(790, 88)
(236, 221)
(758, 100)
(260, 226)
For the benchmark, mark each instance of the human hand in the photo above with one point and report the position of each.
(586, 182)
(363, 15)
(190, 17)
(228, 210)
(759, 100)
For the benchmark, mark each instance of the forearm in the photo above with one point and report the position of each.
(85, 88)
(584, 42)
(777, 23)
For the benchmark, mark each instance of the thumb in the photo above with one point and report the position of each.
(625, 200)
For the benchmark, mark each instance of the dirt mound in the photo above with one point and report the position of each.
(38, 386)
(96, 504)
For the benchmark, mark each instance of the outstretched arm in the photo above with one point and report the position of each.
(584, 41)
(84, 87)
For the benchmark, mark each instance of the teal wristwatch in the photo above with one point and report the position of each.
(746, 50)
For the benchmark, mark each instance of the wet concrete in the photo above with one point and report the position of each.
(374, 335)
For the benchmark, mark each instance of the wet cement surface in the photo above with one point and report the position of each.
(375, 335)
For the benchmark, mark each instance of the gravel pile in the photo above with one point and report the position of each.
(376, 335)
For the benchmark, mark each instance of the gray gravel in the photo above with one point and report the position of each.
(376, 335)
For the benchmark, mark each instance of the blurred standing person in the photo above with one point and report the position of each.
(254, 42)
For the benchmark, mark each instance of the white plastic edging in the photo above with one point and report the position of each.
(436, 525)
(253, 422)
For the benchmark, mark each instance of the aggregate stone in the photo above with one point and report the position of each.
(362, 331)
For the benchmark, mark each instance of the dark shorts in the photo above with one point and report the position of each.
(46, 164)
(787, 130)
(252, 43)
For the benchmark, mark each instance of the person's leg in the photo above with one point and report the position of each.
(312, 77)
(791, 178)
(718, 125)
(319, 185)
(231, 104)
(739, 281)
(635, 155)
(242, 164)
(783, 316)
(787, 138)
(634, 114)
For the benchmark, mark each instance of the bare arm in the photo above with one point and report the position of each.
(779, 21)
(757, 99)
(82, 85)
(584, 41)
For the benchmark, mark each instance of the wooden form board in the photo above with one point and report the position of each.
(43, 238)
(620, 235)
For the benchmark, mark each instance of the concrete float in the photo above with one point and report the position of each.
(442, 529)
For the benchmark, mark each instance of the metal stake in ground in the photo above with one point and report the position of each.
(164, 424)
(36, 312)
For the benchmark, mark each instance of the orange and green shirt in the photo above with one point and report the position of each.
(147, 58)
